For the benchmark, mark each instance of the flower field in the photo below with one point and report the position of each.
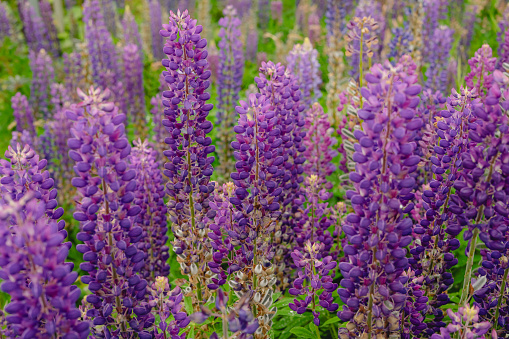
(254, 169)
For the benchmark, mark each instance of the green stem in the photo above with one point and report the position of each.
(501, 296)
(468, 269)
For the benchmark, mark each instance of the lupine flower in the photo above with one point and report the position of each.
(108, 9)
(319, 145)
(23, 114)
(281, 90)
(367, 9)
(465, 322)
(482, 65)
(101, 50)
(131, 32)
(469, 22)
(47, 18)
(158, 129)
(229, 82)
(400, 41)
(35, 274)
(379, 230)
(24, 173)
(134, 92)
(480, 202)
(432, 12)
(34, 30)
(303, 63)
(43, 76)
(238, 319)
(155, 26)
(75, 74)
(5, 23)
(60, 98)
(189, 167)
(167, 302)
(316, 273)
(107, 215)
(361, 39)
(440, 46)
(149, 195)
(276, 10)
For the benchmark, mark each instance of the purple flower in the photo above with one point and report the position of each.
(466, 322)
(155, 26)
(399, 43)
(134, 92)
(5, 22)
(229, 82)
(276, 10)
(480, 77)
(75, 77)
(43, 76)
(316, 273)
(189, 165)
(379, 229)
(24, 173)
(23, 114)
(131, 32)
(34, 30)
(107, 213)
(440, 47)
(52, 34)
(149, 196)
(303, 63)
(35, 275)
(158, 129)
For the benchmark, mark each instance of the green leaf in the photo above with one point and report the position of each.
(331, 321)
(188, 304)
(303, 332)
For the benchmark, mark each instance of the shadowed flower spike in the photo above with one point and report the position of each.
(107, 212)
(5, 22)
(379, 229)
(34, 272)
(131, 32)
(440, 47)
(134, 92)
(303, 63)
(229, 82)
(25, 173)
(149, 196)
(42, 77)
(482, 66)
(23, 114)
(361, 39)
(155, 26)
(190, 162)
(34, 30)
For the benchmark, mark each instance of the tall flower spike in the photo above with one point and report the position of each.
(466, 322)
(440, 45)
(35, 274)
(361, 39)
(303, 62)
(33, 28)
(24, 173)
(400, 42)
(158, 129)
(155, 26)
(257, 200)
(134, 92)
(149, 195)
(47, 18)
(482, 64)
(43, 76)
(189, 167)
(23, 114)
(75, 74)
(101, 50)
(229, 82)
(106, 213)
(379, 230)
(5, 23)
(131, 32)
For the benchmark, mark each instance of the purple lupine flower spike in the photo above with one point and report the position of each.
(131, 31)
(75, 76)
(467, 322)
(379, 229)
(134, 91)
(35, 275)
(158, 129)
(155, 26)
(43, 76)
(303, 63)
(229, 82)
(190, 162)
(149, 195)
(51, 30)
(167, 303)
(440, 46)
(107, 215)
(34, 30)
(23, 114)
(316, 272)
(482, 65)
(24, 173)
(5, 23)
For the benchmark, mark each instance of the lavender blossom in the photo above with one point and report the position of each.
(440, 47)
(24, 174)
(480, 77)
(107, 214)
(42, 77)
(229, 82)
(35, 274)
(155, 26)
(149, 196)
(378, 231)
(189, 167)
(316, 272)
(134, 92)
(303, 62)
